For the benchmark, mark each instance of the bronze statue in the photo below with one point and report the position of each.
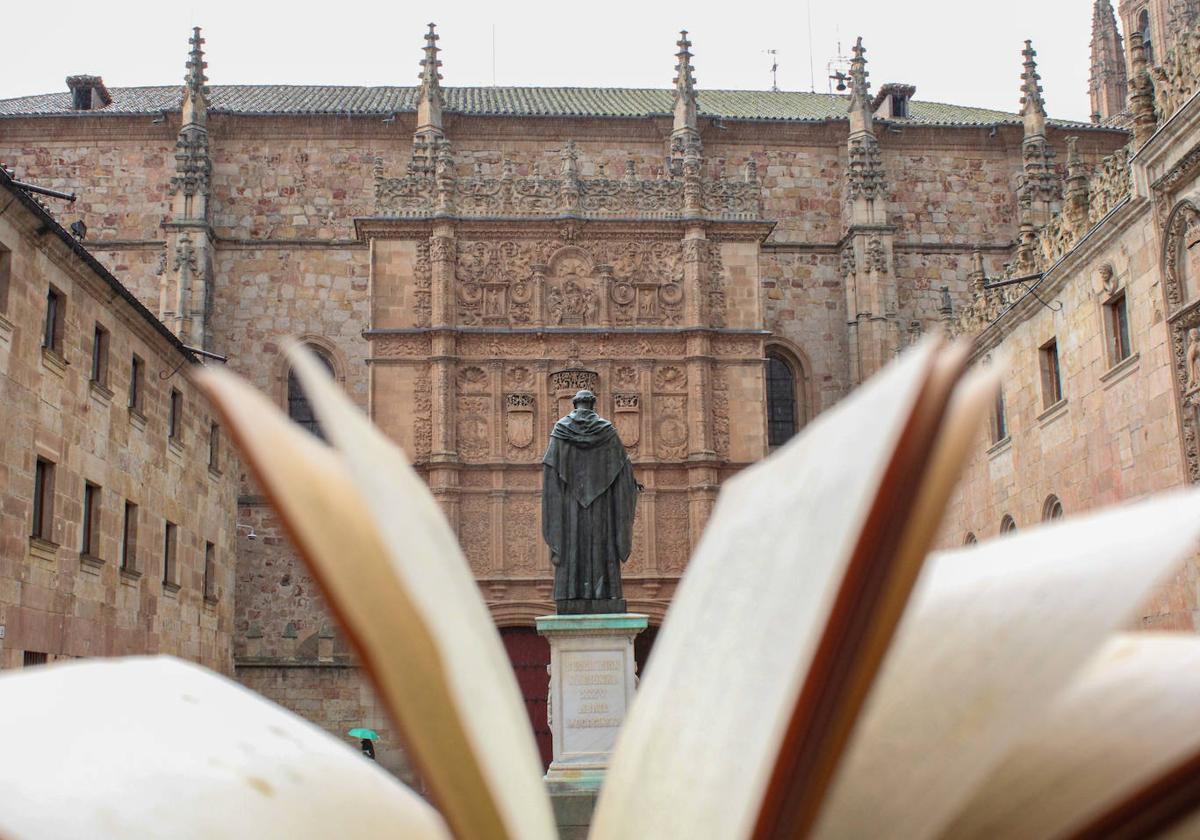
(589, 496)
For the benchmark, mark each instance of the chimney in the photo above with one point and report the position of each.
(88, 93)
(891, 102)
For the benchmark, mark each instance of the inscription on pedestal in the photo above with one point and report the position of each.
(594, 697)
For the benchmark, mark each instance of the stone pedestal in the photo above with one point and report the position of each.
(592, 678)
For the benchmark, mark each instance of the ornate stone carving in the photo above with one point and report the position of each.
(877, 260)
(472, 380)
(1177, 78)
(474, 427)
(400, 346)
(422, 417)
(522, 537)
(671, 430)
(475, 531)
(865, 177)
(627, 417)
(420, 192)
(572, 380)
(672, 531)
(626, 376)
(422, 285)
(193, 166)
(519, 419)
(720, 412)
(1184, 219)
(670, 378)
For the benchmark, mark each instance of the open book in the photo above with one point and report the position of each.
(817, 673)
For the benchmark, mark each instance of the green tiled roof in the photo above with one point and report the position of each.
(791, 106)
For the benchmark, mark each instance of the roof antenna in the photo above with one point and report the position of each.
(812, 76)
(774, 70)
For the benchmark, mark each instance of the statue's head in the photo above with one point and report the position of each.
(584, 398)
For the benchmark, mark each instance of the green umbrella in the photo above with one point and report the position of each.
(369, 734)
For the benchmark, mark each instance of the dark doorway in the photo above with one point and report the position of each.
(530, 657)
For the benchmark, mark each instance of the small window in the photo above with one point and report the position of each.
(1116, 319)
(299, 408)
(137, 383)
(1051, 376)
(90, 542)
(175, 415)
(5, 276)
(781, 401)
(1007, 524)
(43, 500)
(33, 657)
(999, 418)
(210, 572)
(214, 447)
(100, 356)
(129, 538)
(52, 329)
(170, 548)
(971, 539)
(1052, 509)
(899, 106)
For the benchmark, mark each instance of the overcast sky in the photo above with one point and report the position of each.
(958, 51)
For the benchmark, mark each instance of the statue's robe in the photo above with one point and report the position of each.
(589, 496)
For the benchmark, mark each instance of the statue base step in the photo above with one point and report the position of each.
(592, 679)
(590, 606)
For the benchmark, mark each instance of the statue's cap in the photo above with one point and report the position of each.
(583, 396)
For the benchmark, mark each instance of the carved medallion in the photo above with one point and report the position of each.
(518, 419)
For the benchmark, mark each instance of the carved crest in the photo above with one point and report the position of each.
(627, 417)
(518, 419)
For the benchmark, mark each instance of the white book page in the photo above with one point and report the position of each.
(426, 558)
(991, 634)
(1131, 715)
(703, 732)
(157, 747)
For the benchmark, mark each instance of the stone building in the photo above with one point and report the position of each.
(719, 266)
(116, 529)
(1096, 316)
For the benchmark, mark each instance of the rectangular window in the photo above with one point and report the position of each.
(1052, 391)
(90, 542)
(999, 419)
(210, 572)
(214, 447)
(129, 538)
(137, 383)
(43, 500)
(5, 276)
(52, 331)
(100, 356)
(1117, 325)
(170, 545)
(175, 415)
(33, 657)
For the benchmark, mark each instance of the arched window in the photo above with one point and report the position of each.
(1052, 509)
(298, 406)
(786, 410)
(971, 539)
(1144, 28)
(1007, 524)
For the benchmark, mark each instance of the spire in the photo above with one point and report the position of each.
(1076, 199)
(1108, 86)
(1033, 108)
(1141, 91)
(860, 91)
(429, 97)
(195, 87)
(685, 132)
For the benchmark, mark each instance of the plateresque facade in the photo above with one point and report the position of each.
(719, 266)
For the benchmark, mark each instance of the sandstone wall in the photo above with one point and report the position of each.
(54, 600)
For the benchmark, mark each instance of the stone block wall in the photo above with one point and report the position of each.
(56, 598)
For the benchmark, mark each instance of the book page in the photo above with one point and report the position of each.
(111, 749)
(394, 575)
(703, 733)
(992, 633)
(1131, 715)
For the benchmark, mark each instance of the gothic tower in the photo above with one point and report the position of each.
(1108, 86)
